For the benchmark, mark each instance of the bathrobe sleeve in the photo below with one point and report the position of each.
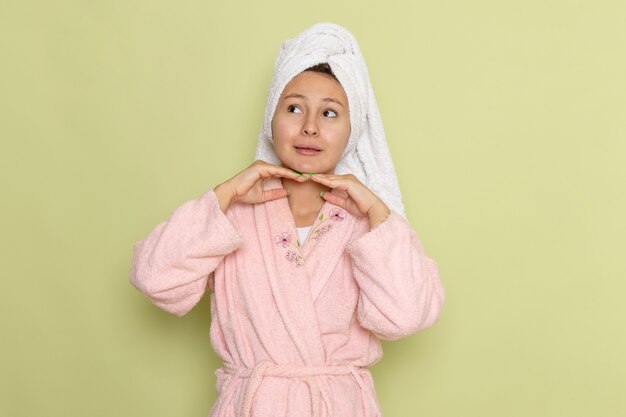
(400, 291)
(174, 264)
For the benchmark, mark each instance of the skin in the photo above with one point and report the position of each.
(311, 112)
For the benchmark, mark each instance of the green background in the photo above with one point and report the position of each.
(507, 123)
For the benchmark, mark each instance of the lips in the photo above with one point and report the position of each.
(308, 150)
(308, 147)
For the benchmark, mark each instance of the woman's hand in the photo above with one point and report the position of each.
(247, 186)
(361, 201)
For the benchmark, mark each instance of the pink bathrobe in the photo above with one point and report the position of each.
(295, 325)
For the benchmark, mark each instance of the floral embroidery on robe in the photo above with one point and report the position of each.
(285, 239)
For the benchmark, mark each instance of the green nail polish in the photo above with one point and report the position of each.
(297, 173)
(321, 193)
(311, 173)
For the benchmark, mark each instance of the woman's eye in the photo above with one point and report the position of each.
(332, 113)
(292, 109)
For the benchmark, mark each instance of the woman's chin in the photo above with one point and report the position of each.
(299, 167)
(306, 168)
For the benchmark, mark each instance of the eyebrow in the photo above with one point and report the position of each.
(296, 95)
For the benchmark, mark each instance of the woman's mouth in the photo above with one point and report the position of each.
(308, 151)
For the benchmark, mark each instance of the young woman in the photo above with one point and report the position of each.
(306, 253)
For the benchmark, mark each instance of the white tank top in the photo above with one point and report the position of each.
(303, 232)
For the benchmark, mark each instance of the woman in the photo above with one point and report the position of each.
(306, 253)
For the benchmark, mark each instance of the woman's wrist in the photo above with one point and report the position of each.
(377, 214)
(224, 195)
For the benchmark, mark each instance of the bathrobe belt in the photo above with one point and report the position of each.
(307, 373)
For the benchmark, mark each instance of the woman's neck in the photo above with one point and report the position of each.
(304, 200)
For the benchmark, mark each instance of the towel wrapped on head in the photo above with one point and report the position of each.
(367, 154)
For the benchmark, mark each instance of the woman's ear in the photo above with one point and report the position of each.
(272, 129)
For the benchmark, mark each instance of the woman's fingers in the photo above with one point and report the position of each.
(247, 187)
(360, 198)
(266, 170)
(330, 181)
(273, 194)
(334, 198)
(346, 203)
(348, 182)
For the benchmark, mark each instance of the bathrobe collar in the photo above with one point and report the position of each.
(298, 274)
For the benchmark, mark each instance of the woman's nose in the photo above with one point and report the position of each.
(310, 127)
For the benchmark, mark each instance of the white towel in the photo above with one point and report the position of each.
(366, 155)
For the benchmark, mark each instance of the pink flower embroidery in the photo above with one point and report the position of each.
(337, 214)
(292, 256)
(322, 230)
(283, 239)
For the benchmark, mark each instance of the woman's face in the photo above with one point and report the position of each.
(311, 124)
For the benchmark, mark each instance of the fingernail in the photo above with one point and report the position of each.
(311, 173)
(297, 173)
(321, 193)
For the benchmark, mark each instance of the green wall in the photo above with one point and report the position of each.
(507, 123)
